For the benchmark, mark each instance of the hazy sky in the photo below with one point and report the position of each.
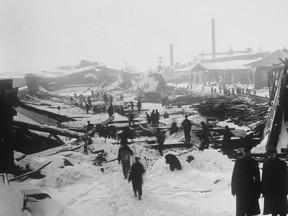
(39, 35)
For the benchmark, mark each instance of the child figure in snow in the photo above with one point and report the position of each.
(136, 173)
(124, 154)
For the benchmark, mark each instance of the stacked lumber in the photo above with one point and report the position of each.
(241, 109)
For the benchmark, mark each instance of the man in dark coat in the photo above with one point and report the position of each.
(274, 184)
(186, 124)
(205, 136)
(245, 184)
(132, 105)
(157, 118)
(173, 161)
(105, 98)
(160, 136)
(174, 128)
(139, 105)
(87, 108)
(110, 110)
(136, 173)
(226, 139)
(124, 154)
(153, 118)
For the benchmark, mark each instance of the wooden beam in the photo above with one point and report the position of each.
(47, 129)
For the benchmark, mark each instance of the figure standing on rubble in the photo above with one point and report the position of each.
(87, 108)
(111, 99)
(274, 184)
(157, 118)
(137, 171)
(186, 124)
(139, 105)
(110, 110)
(148, 118)
(153, 118)
(132, 105)
(245, 184)
(105, 98)
(226, 139)
(124, 157)
(160, 136)
(89, 101)
(174, 128)
(205, 136)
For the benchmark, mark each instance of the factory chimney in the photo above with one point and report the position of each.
(171, 56)
(213, 38)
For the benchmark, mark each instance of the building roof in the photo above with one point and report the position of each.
(227, 65)
(271, 59)
(187, 68)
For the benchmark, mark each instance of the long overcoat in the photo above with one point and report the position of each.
(274, 186)
(246, 186)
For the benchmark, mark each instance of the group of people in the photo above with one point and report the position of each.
(153, 118)
(247, 186)
(204, 136)
(134, 173)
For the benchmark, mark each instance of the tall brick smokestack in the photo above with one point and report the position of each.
(213, 38)
(171, 56)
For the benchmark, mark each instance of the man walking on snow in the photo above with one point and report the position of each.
(137, 171)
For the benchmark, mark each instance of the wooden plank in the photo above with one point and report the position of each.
(47, 129)
(30, 173)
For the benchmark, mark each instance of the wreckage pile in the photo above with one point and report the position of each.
(248, 110)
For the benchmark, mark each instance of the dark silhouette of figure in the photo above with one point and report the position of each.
(139, 105)
(186, 124)
(89, 101)
(124, 154)
(153, 118)
(173, 128)
(165, 115)
(132, 105)
(148, 118)
(160, 136)
(274, 184)
(110, 110)
(121, 97)
(90, 127)
(245, 184)
(87, 108)
(173, 161)
(226, 139)
(205, 136)
(157, 118)
(105, 98)
(136, 176)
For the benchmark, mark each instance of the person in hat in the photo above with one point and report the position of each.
(245, 185)
(186, 124)
(274, 184)
(160, 136)
(136, 176)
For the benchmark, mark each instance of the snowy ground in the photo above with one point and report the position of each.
(202, 188)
